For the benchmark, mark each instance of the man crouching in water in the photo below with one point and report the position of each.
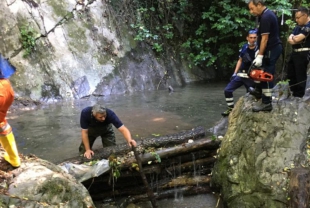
(97, 121)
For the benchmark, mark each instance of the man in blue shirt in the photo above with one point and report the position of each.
(270, 49)
(240, 76)
(97, 121)
(300, 41)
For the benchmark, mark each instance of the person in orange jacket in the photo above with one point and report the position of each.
(7, 139)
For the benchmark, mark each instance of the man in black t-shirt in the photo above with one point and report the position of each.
(270, 49)
(97, 121)
(300, 41)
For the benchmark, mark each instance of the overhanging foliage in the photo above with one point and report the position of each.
(206, 33)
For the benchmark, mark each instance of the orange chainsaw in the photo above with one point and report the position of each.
(258, 74)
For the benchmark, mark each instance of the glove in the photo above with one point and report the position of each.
(233, 76)
(258, 61)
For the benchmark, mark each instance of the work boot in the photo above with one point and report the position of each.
(262, 107)
(256, 92)
(227, 112)
(11, 152)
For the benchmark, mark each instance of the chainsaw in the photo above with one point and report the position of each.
(258, 74)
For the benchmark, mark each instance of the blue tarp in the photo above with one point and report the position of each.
(6, 69)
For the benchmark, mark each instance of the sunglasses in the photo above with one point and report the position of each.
(252, 32)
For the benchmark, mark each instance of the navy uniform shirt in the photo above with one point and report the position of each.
(247, 56)
(88, 120)
(305, 30)
(268, 24)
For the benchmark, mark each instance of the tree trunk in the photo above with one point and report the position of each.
(162, 141)
(201, 163)
(138, 193)
(183, 191)
(169, 163)
(165, 175)
(173, 151)
(187, 181)
(299, 188)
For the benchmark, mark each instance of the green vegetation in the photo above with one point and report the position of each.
(283, 82)
(153, 152)
(2, 203)
(115, 166)
(54, 188)
(91, 163)
(28, 39)
(206, 33)
(157, 157)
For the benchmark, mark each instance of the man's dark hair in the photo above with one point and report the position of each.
(303, 10)
(256, 2)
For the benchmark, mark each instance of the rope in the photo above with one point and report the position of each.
(273, 90)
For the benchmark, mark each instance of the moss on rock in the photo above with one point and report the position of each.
(59, 7)
(78, 39)
(55, 187)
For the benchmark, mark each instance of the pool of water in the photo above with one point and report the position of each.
(52, 132)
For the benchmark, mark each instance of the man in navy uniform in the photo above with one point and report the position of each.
(97, 121)
(240, 76)
(270, 49)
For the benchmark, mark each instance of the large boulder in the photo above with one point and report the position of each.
(39, 183)
(259, 149)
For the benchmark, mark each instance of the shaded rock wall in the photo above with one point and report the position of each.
(259, 149)
(82, 48)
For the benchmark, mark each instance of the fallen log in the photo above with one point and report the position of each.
(184, 191)
(184, 182)
(166, 154)
(200, 167)
(299, 188)
(162, 141)
(163, 171)
(130, 179)
(187, 181)
(204, 143)
(204, 160)
(203, 164)
(163, 163)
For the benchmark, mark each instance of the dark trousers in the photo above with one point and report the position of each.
(297, 72)
(234, 84)
(269, 65)
(105, 132)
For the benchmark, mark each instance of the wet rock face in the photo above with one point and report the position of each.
(258, 149)
(79, 51)
(137, 71)
(81, 87)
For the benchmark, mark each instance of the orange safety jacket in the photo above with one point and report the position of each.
(6, 100)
